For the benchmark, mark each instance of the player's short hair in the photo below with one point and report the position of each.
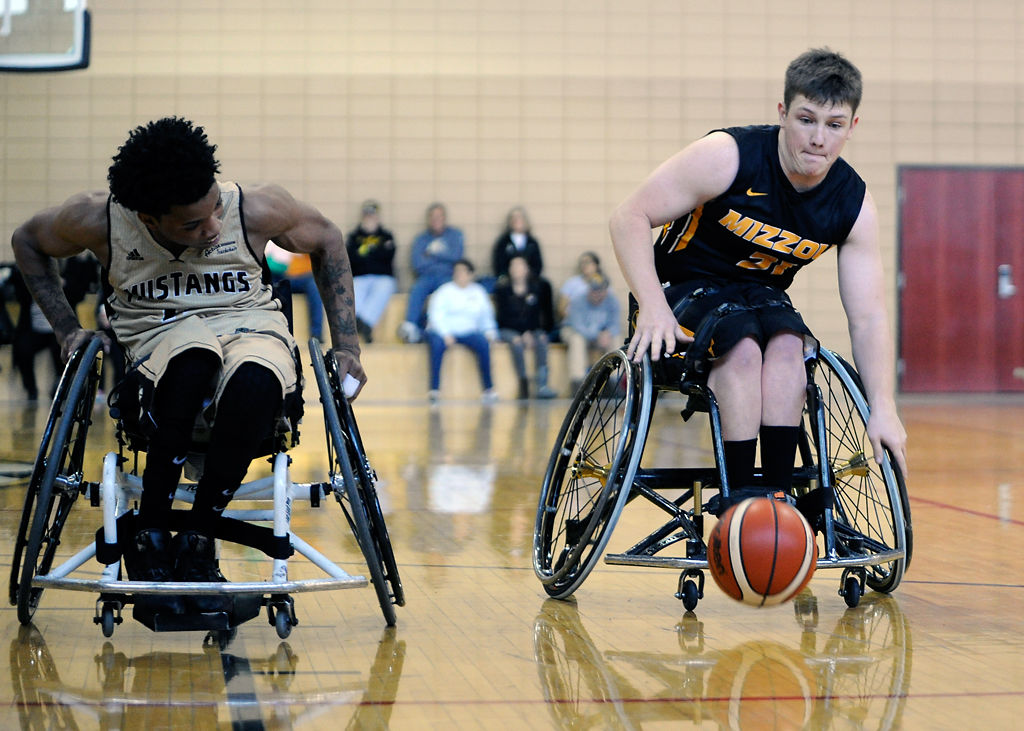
(466, 263)
(824, 77)
(168, 162)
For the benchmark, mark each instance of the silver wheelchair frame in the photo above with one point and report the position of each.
(57, 481)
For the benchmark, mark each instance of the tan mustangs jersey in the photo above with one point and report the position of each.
(153, 289)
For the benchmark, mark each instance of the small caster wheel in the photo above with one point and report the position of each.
(690, 591)
(283, 624)
(107, 620)
(690, 595)
(108, 616)
(851, 591)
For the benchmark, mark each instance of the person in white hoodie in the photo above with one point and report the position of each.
(461, 311)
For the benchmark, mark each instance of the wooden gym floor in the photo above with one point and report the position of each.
(477, 644)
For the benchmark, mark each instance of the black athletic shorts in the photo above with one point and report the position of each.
(771, 312)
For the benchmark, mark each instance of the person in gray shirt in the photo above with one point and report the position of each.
(591, 328)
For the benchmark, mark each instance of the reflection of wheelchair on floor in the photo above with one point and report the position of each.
(859, 506)
(856, 675)
(195, 687)
(57, 481)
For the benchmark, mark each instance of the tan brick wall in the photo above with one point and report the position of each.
(560, 105)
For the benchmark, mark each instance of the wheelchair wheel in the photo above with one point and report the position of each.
(590, 471)
(57, 476)
(366, 480)
(38, 467)
(872, 512)
(358, 500)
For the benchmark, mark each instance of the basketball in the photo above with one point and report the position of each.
(762, 552)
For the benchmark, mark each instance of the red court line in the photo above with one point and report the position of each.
(966, 511)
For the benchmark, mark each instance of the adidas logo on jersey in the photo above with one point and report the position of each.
(134, 255)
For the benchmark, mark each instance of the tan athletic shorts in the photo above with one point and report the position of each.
(251, 336)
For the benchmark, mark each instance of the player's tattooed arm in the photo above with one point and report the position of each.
(333, 276)
(54, 233)
(48, 293)
(300, 228)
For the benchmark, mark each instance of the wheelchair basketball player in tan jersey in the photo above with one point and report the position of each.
(183, 254)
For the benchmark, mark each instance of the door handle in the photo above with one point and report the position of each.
(1005, 288)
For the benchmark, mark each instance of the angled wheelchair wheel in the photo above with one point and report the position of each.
(358, 497)
(38, 467)
(56, 477)
(366, 479)
(590, 471)
(872, 512)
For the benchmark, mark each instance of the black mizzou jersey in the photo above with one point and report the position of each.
(761, 229)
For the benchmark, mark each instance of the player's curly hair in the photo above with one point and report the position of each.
(824, 77)
(167, 162)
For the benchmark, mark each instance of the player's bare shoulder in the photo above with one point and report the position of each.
(269, 209)
(78, 224)
(717, 158)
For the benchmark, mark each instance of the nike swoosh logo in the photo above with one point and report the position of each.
(751, 193)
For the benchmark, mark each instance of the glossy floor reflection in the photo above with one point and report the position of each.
(478, 644)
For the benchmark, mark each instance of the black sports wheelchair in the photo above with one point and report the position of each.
(57, 482)
(859, 507)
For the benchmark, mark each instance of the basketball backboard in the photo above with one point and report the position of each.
(43, 35)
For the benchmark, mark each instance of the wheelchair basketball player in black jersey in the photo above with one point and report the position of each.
(741, 211)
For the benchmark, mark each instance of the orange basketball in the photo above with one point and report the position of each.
(762, 552)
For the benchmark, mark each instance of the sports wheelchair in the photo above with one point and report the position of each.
(57, 481)
(859, 507)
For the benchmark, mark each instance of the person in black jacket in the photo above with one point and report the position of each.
(371, 250)
(524, 314)
(516, 241)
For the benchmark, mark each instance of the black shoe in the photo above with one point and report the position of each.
(148, 558)
(195, 559)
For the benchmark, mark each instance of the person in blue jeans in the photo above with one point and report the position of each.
(298, 269)
(460, 311)
(434, 253)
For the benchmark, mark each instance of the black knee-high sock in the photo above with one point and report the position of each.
(176, 402)
(246, 411)
(739, 462)
(778, 452)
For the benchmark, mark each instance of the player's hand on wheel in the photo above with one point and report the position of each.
(79, 337)
(886, 431)
(656, 331)
(350, 372)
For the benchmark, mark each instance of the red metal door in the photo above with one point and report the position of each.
(962, 260)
